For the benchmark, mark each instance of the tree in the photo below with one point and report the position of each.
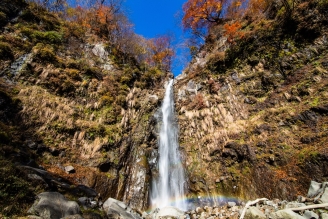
(199, 14)
(232, 31)
(161, 52)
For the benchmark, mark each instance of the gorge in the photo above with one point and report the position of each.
(89, 118)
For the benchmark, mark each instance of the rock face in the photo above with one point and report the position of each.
(53, 205)
(248, 129)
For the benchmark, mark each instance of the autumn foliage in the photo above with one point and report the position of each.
(232, 31)
(199, 13)
(161, 52)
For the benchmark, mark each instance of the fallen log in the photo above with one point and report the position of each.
(324, 205)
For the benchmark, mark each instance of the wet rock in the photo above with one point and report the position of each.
(53, 205)
(310, 215)
(254, 212)
(69, 169)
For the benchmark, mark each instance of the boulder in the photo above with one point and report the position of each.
(294, 205)
(310, 215)
(324, 216)
(231, 204)
(117, 209)
(286, 214)
(254, 212)
(169, 212)
(324, 196)
(313, 189)
(53, 205)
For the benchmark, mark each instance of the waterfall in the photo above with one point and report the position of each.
(168, 189)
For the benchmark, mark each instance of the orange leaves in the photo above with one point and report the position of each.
(160, 52)
(197, 13)
(99, 19)
(232, 31)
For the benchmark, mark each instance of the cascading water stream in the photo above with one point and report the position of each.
(168, 189)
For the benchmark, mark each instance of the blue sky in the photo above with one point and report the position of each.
(157, 17)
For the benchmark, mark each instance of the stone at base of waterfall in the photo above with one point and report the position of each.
(254, 212)
(314, 189)
(117, 209)
(170, 212)
(53, 205)
(324, 216)
(324, 196)
(310, 215)
(286, 214)
(231, 204)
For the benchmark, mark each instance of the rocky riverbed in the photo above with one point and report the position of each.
(314, 205)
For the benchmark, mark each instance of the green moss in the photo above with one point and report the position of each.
(315, 102)
(45, 53)
(48, 37)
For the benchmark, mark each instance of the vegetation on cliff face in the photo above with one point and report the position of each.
(82, 90)
(75, 95)
(253, 103)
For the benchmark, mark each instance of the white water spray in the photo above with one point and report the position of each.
(168, 189)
